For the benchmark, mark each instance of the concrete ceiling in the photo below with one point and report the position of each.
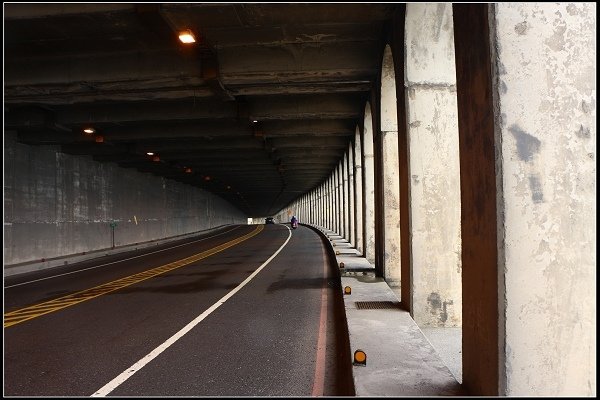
(303, 71)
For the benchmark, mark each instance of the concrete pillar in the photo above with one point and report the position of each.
(434, 165)
(369, 188)
(315, 205)
(329, 203)
(324, 203)
(345, 192)
(527, 109)
(548, 180)
(336, 212)
(340, 196)
(358, 184)
(391, 184)
(351, 200)
(332, 207)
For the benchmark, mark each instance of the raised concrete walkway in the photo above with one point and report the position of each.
(401, 361)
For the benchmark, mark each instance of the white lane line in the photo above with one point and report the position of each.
(118, 261)
(112, 385)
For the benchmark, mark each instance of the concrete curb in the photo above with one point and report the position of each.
(400, 359)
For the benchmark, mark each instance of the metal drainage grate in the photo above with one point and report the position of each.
(376, 305)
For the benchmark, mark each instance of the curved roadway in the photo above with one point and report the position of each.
(245, 311)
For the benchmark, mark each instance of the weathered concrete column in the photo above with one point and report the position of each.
(527, 108)
(329, 203)
(315, 206)
(351, 214)
(304, 208)
(434, 165)
(345, 192)
(369, 188)
(340, 194)
(336, 191)
(324, 204)
(311, 207)
(549, 203)
(358, 193)
(391, 183)
(318, 219)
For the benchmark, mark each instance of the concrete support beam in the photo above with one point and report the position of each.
(339, 207)
(345, 194)
(434, 166)
(527, 110)
(32, 11)
(390, 180)
(332, 202)
(548, 163)
(351, 197)
(359, 193)
(369, 188)
(296, 61)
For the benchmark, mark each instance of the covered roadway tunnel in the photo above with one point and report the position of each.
(447, 149)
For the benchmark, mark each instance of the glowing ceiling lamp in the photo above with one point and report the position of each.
(187, 36)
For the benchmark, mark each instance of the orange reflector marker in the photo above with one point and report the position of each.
(337, 253)
(360, 358)
(347, 290)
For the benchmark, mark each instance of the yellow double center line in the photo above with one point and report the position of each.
(27, 313)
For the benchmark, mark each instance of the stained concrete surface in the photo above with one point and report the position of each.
(402, 359)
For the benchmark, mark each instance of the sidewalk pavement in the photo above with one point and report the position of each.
(401, 361)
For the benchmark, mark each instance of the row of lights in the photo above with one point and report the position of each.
(89, 131)
(187, 170)
(185, 36)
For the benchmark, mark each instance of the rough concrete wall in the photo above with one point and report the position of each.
(434, 165)
(57, 204)
(545, 57)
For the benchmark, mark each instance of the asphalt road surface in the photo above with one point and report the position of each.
(245, 311)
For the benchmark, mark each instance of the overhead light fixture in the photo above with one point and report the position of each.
(207, 178)
(150, 153)
(89, 131)
(254, 121)
(188, 170)
(187, 36)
